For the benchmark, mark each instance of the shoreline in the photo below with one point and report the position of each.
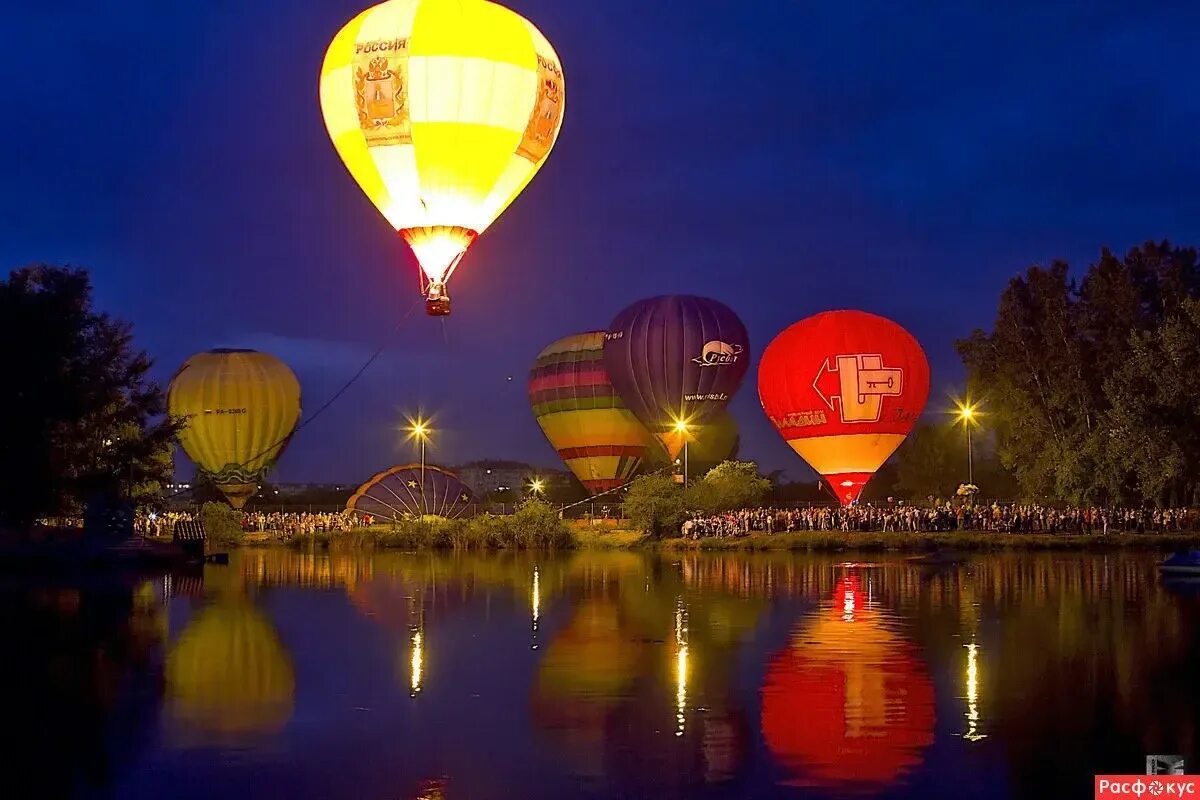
(931, 541)
(811, 541)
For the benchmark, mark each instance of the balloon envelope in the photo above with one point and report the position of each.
(442, 110)
(584, 419)
(241, 407)
(844, 388)
(676, 358)
(411, 490)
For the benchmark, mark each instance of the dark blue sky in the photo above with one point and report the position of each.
(784, 157)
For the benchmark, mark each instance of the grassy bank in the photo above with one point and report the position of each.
(960, 540)
(533, 526)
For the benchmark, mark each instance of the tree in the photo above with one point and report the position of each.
(654, 504)
(931, 462)
(1044, 366)
(1152, 439)
(729, 485)
(79, 415)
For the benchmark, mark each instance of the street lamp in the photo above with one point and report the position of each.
(681, 427)
(536, 486)
(419, 429)
(968, 417)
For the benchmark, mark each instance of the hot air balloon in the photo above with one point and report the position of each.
(442, 110)
(676, 361)
(581, 414)
(847, 706)
(844, 388)
(412, 490)
(241, 407)
(708, 445)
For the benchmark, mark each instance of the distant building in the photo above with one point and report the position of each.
(485, 477)
(293, 489)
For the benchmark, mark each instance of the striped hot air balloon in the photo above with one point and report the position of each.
(581, 414)
(442, 110)
(241, 407)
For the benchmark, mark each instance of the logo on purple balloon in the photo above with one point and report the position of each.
(717, 353)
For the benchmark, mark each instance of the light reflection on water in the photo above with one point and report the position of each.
(607, 675)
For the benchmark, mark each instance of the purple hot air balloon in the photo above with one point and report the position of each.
(676, 358)
(412, 491)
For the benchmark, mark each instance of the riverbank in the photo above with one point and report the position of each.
(928, 540)
(609, 537)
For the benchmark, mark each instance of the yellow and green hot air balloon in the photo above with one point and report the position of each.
(241, 407)
(442, 110)
(579, 411)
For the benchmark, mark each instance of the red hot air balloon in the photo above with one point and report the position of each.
(676, 361)
(844, 388)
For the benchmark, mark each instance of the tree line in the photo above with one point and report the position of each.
(1089, 386)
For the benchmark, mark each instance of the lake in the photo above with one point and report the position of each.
(600, 675)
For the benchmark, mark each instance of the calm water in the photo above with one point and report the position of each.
(600, 675)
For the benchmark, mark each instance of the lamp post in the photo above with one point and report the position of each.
(420, 430)
(967, 415)
(681, 427)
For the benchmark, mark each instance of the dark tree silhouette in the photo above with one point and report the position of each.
(79, 416)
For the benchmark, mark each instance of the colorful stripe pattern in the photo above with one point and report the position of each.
(581, 414)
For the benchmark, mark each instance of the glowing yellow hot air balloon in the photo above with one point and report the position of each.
(241, 407)
(442, 110)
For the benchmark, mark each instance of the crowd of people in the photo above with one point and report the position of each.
(1009, 518)
(284, 524)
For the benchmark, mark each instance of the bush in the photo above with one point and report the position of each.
(222, 525)
(654, 505)
(536, 525)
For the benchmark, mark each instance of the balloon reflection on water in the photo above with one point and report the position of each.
(848, 704)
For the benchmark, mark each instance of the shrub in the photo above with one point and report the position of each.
(537, 525)
(654, 505)
(222, 525)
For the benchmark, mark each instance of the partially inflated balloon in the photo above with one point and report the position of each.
(581, 414)
(241, 407)
(412, 490)
(442, 110)
(844, 388)
(676, 358)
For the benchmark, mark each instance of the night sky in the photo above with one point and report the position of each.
(783, 157)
